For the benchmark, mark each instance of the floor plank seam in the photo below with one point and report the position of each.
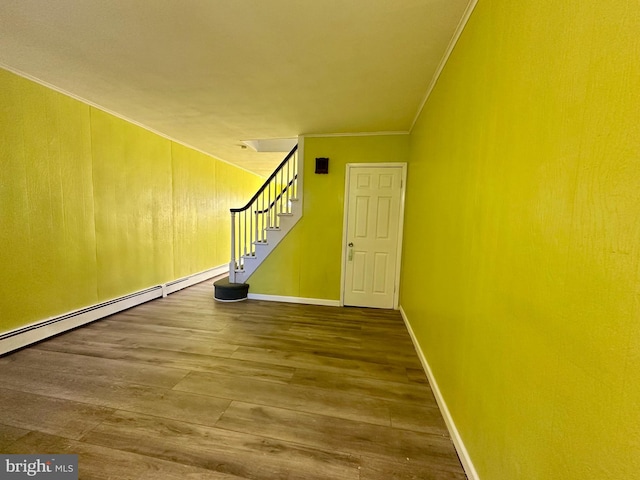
(253, 389)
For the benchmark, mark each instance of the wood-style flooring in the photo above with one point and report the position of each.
(185, 387)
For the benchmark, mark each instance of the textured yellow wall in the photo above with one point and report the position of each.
(194, 181)
(203, 192)
(93, 207)
(132, 181)
(47, 235)
(521, 268)
(307, 262)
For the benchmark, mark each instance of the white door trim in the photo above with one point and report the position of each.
(350, 167)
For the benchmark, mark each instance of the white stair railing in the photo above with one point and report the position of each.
(249, 224)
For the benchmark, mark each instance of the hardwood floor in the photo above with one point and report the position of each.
(184, 387)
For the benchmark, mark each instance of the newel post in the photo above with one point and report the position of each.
(232, 264)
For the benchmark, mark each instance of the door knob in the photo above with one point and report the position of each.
(350, 244)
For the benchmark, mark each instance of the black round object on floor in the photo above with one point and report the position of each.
(223, 291)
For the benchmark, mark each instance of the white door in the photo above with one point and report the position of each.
(373, 222)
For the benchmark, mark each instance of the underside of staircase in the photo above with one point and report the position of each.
(259, 226)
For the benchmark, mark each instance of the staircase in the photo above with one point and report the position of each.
(259, 226)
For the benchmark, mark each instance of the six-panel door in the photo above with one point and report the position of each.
(373, 222)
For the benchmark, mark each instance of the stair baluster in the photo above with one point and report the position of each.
(249, 224)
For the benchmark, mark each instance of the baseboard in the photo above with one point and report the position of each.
(306, 301)
(185, 282)
(40, 330)
(465, 459)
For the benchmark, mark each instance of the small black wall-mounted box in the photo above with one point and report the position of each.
(322, 165)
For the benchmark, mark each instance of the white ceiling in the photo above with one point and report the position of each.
(211, 73)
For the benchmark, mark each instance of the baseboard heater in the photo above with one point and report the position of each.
(35, 332)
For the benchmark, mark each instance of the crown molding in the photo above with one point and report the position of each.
(355, 134)
(452, 44)
(115, 114)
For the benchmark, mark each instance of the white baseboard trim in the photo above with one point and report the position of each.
(465, 459)
(306, 301)
(40, 330)
(43, 329)
(185, 282)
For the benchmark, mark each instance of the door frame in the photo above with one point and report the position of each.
(350, 168)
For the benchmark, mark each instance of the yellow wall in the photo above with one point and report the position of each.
(521, 268)
(46, 204)
(307, 262)
(203, 192)
(132, 181)
(93, 207)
